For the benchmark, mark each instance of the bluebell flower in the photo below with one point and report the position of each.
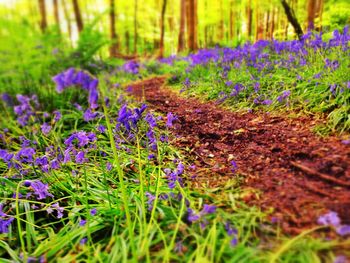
(40, 189)
(5, 224)
(46, 128)
(93, 212)
(170, 119)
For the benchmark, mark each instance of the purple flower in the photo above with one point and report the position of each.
(285, 95)
(101, 128)
(78, 107)
(60, 85)
(346, 142)
(208, 209)
(89, 115)
(234, 241)
(234, 166)
(58, 115)
(170, 119)
(5, 224)
(232, 232)
(151, 120)
(5, 97)
(150, 200)
(1, 211)
(333, 88)
(93, 212)
(25, 155)
(109, 166)
(58, 209)
(151, 156)
(82, 222)
(80, 157)
(45, 128)
(83, 241)
(40, 189)
(192, 217)
(93, 94)
(329, 219)
(340, 259)
(343, 230)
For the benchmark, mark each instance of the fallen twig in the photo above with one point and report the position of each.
(323, 176)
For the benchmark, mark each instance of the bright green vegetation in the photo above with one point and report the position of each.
(115, 203)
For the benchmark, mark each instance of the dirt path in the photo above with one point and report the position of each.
(297, 173)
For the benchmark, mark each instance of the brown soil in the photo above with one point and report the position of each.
(296, 172)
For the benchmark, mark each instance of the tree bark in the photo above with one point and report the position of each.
(56, 15)
(249, 18)
(292, 18)
(311, 12)
(232, 21)
(162, 27)
(77, 14)
(192, 24)
(113, 50)
(221, 22)
(135, 27)
(43, 21)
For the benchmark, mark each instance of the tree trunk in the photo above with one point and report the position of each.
(221, 22)
(56, 14)
(43, 21)
(161, 48)
(272, 29)
(135, 27)
(192, 24)
(311, 11)
(232, 22)
(292, 19)
(113, 50)
(77, 14)
(267, 26)
(319, 11)
(249, 18)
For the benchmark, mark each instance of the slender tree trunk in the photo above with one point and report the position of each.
(311, 11)
(43, 21)
(56, 15)
(161, 48)
(267, 26)
(221, 22)
(232, 21)
(195, 26)
(192, 24)
(249, 18)
(77, 14)
(135, 27)
(272, 23)
(318, 14)
(113, 50)
(206, 26)
(292, 18)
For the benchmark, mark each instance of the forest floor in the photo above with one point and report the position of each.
(284, 164)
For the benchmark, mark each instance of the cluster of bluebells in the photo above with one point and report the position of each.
(192, 216)
(26, 108)
(131, 67)
(233, 233)
(72, 77)
(77, 146)
(332, 219)
(262, 59)
(5, 220)
(175, 175)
